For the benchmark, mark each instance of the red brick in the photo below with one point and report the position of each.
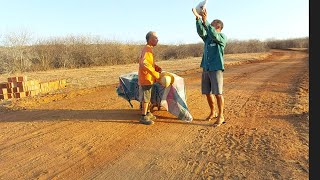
(3, 91)
(12, 79)
(20, 94)
(3, 85)
(22, 78)
(19, 89)
(10, 90)
(5, 96)
(10, 85)
(19, 84)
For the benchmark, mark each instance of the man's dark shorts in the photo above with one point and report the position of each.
(212, 82)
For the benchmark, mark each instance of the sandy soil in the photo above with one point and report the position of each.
(87, 132)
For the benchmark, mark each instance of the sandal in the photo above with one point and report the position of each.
(209, 118)
(219, 122)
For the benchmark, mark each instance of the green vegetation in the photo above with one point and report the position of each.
(17, 55)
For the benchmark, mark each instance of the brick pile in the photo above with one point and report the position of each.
(19, 87)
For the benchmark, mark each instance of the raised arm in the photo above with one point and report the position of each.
(200, 28)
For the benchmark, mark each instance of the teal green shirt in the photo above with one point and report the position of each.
(214, 44)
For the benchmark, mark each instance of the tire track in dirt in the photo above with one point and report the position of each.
(96, 135)
(68, 158)
(196, 166)
(201, 165)
(53, 134)
(251, 105)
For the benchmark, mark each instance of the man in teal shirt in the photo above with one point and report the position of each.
(212, 63)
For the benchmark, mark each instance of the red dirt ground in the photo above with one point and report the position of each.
(94, 134)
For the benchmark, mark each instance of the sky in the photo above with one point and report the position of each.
(172, 20)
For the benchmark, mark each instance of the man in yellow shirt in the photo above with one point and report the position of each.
(148, 74)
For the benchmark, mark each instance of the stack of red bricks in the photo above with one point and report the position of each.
(19, 87)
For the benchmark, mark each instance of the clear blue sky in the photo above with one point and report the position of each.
(129, 21)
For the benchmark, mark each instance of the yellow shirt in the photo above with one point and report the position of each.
(147, 74)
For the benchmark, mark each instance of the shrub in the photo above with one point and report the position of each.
(82, 51)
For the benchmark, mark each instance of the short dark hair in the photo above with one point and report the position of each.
(218, 21)
(149, 35)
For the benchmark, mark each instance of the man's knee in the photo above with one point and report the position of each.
(219, 96)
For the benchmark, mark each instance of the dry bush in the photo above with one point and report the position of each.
(86, 51)
(15, 55)
(249, 46)
(49, 56)
(166, 52)
(289, 43)
(6, 64)
(77, 53)
(123, 53)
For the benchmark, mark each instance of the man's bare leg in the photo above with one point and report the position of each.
(145, 108)
(220, 103)
(210, 99)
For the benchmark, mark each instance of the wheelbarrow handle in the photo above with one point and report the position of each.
(125, 89)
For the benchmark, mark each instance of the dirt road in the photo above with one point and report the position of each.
(93, 134)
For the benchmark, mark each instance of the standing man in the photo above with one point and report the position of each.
(148, 74)
(212, 62)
